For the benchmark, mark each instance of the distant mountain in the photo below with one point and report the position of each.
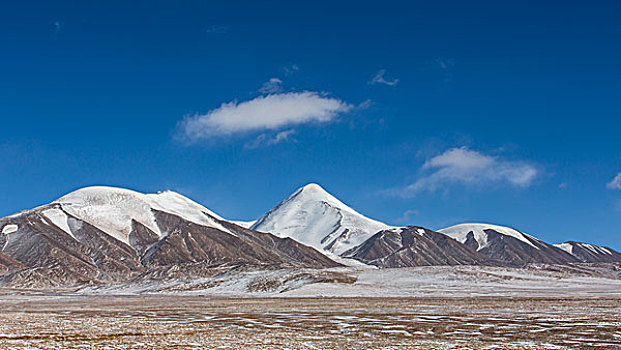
(507, 245)
(112, 235)
(415, 246)
(314, 217)
(103, 234)
(589, 252)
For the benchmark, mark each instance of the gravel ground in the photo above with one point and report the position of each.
(193, 322)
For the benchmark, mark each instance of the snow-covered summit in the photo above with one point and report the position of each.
(316, 218)
(460, 233)
(112, 209)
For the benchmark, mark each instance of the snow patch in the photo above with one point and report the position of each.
(244, 224)
(10, 228)
(568, 247)
(59, 219)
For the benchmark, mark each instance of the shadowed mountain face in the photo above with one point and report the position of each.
(93, 242)
(507, 245)
(414, 246)
(590, 253)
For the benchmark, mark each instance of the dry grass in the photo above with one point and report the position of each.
(169, 322)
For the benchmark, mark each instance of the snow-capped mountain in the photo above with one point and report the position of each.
(112, 210)
(415, 246)
(104, 234)
(507, 245)
(113, 235)
(314, 217)
(590, 253)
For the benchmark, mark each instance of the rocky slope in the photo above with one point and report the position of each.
(507, 245)
(590, 253)
(103, 234)
(415, 246)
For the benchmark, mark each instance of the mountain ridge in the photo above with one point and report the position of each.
(104, 234)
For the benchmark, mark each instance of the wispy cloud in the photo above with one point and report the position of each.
(615, 184)
(265, 140)
(462, 166)
(271, 86)
(379, 78)
(215, 29)
(446, 66)
(57, 28)
(290, 69)
(407, 216)
(271, 112)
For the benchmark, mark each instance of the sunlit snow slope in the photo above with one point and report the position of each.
(112, 210)
(314, 217)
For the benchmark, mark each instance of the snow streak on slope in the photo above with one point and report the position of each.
(570, 246)
(460, 233)
(113, 209)
(314, 217)
(59, 219)
(244, 224)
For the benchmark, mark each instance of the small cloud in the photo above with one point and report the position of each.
(407, 216)
(271, 86)
(462, 166)
(447, 66)
(269, 112)
(445, 63)
(364, 105)
(290, 69)
(263, 140)
(615, 184)
(378, 78)
(214, 29)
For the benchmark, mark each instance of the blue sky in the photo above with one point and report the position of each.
(425, 113)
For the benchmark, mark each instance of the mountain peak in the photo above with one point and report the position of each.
(315, 193)
(113, 209)
(314, 217)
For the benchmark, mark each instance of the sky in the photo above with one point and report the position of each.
(414, 113)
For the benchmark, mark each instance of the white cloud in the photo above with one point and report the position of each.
(269, 112)
(467, 167)
(271, 86)
(379, 79)
(264, 140)
(615, 184)
(407, 216)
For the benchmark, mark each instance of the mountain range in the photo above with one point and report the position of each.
(106, 235)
